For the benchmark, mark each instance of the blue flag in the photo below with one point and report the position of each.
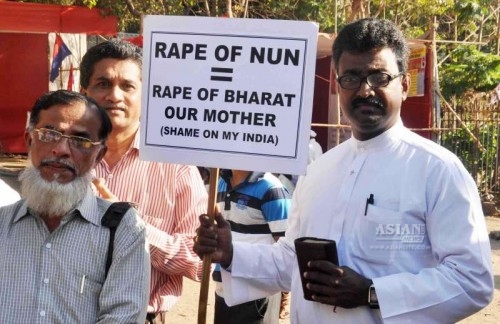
(59, 54)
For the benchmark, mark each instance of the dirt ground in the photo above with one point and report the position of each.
(186, 310)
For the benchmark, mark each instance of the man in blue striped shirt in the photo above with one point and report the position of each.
(256, 204)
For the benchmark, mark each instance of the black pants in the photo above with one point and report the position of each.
(247, 313)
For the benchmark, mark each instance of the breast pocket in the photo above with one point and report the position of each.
(87, 285)
(387, 236)
(84, 297)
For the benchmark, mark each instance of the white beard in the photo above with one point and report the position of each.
(52, 199)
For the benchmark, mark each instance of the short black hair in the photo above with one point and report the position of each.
(366, 34)
(114, 48)
(64, 97)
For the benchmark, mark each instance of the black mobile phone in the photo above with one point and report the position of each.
(313, 248)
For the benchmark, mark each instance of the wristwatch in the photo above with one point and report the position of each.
(372, 297)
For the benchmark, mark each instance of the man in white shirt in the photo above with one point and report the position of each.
(405, 213)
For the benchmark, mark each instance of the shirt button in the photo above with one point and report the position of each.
(110, 176)
(42, 313)
(46, 280)
(48, 245)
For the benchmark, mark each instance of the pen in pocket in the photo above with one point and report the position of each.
(82, 284)
(369, 201)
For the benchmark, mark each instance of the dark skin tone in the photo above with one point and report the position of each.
(371, 111)
(333, 285)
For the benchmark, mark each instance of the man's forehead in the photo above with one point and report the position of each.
(371, 61)
(113, 77)
(108, 66)
(76, 116)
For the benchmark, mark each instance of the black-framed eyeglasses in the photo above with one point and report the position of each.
(52, 136)
(374, 80)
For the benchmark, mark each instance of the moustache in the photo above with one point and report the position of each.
(67, 164)
(115, 107)
(371, 101)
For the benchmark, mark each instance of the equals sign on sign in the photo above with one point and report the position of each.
(223, 74)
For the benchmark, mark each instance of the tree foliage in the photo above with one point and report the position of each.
(468, 68)
(463, 67)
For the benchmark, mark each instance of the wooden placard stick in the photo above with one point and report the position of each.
(207, 259)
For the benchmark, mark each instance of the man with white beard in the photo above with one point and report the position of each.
(53, 247)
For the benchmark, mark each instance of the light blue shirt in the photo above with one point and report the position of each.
(59, 277)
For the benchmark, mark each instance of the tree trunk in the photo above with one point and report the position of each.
(229, 8)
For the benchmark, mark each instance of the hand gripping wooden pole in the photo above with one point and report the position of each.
(207, 259)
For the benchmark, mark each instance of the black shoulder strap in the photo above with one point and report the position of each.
(112, 218)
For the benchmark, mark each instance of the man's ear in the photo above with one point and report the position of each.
(83, 91)
(27, 139)
(406, 82)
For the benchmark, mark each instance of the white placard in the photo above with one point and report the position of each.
(228, 93)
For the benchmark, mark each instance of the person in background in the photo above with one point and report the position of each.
(9, 195)
(404, 212)
(256, 205)
(315, 150)
(205, 176)
(169, 197)
(53, 245)
(286, 180)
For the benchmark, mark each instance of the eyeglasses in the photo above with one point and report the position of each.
(52, 136)
(374, 80)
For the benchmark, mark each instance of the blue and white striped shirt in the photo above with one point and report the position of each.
(257, 210)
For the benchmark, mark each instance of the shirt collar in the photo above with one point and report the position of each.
(87, 209)
(387, 138)
(252, 177)
(137, 139)
(255, 176)
(21, 212)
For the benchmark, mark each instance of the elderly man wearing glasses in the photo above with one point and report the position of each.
(52, 243)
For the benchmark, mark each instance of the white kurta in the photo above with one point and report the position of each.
(423, 241)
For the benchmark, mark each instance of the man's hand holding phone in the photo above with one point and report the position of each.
(323, 280)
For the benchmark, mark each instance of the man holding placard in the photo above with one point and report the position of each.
(404, 212)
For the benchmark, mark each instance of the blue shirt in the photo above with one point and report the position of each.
(257, 209)
(59, 276)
